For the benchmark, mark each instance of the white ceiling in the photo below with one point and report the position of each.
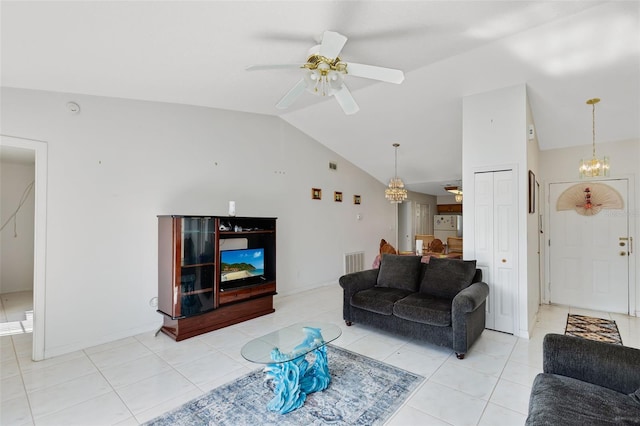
(195, 53)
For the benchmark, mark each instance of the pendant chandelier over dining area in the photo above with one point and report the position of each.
(395, 192)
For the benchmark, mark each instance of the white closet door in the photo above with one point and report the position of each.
(496, 244)
(483, 192)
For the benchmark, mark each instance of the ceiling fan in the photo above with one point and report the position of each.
(324, 74)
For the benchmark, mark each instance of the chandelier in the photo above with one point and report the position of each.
(395, 192)
(594, 167)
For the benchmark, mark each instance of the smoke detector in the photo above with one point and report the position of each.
(73, 108)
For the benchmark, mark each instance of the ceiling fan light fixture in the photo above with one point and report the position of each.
(323, 83)
(324, 76)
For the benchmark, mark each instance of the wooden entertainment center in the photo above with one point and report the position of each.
(196, 292)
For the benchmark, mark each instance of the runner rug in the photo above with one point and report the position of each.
(592, 328)
(363, 391)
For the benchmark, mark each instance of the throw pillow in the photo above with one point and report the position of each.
(401, 272)
(385, 247)
(447, 277)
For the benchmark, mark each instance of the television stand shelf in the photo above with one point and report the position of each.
(214, 271)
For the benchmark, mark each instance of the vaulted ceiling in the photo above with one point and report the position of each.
(196, 53)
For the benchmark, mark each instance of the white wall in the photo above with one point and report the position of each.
(16, 239)
(561, 165)
(119, 163)
(494, 138)
(535, 258)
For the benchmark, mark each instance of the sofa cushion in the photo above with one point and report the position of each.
(378, 299)
(425, 309)
(447, 277)
(560, 400)
(401, 272)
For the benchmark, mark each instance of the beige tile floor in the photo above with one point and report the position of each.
(133, 380)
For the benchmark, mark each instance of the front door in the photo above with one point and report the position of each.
(589, 255)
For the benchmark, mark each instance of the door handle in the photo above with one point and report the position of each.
(623, 253)
(623, 240)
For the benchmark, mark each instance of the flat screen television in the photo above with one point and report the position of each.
(241, 267)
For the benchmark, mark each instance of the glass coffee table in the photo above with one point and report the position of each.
(284, 353)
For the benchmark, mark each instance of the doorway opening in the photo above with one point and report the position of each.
(17, 171)
(39, 151)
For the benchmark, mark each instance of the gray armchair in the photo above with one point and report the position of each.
(586, 383)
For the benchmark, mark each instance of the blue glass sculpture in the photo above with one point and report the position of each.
(294, 379)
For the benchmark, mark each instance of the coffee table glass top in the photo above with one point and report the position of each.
(292, 342)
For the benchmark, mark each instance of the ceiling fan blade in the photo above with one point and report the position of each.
(271, 67)
(292, 95)
(346, 101)
(332, 44)
(389, 75)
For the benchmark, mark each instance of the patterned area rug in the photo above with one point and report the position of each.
(592, 328)
(363, 391)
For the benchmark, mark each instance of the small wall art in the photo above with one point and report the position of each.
(316, 194)
(357, 199)
(337, 196)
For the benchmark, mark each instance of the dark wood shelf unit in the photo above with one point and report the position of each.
(449, 208)
(191, 294)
